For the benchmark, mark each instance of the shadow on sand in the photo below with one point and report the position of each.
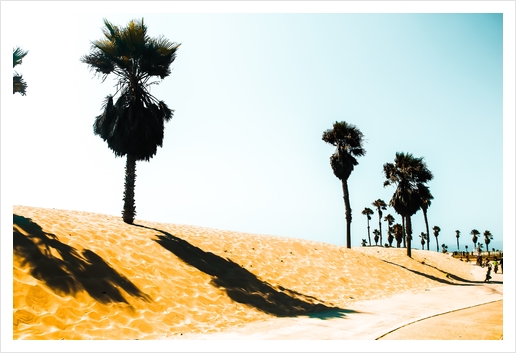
(441, 280)
(243, 286)
(73, 271)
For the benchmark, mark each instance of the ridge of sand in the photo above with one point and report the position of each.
(82, 275)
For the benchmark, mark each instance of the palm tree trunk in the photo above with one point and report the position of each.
(437, 242)
(409, 236)
(403, 230)
(380, 227)
(129, 211)
(368, 230)
(348, 213)
(427, 231)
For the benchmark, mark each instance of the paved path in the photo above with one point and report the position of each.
(397, 317)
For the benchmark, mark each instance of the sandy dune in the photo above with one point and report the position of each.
(80, 276)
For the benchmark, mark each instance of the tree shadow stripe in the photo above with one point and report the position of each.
(244, 287)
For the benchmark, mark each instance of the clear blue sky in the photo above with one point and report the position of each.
(254, 86)
(252, 95)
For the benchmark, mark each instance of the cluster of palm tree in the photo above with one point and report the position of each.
(19, 84)
(487, 239)
(408, 174)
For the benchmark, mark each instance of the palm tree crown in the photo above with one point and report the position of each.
(348, 140)
(475, 234)
(133, 125)
(19, 84)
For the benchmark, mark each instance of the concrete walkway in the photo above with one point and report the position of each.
(448, 312)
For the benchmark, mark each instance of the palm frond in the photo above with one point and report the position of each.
(18, 55)
(19, 84)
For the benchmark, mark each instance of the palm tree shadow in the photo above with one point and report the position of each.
(243, 286)
(434, 277)
(70, 272)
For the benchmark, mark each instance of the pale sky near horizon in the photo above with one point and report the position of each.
(252, 93)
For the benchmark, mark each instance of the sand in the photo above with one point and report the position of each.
(87, 276)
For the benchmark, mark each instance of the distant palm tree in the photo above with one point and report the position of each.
(398, 234)
(19, 84)
(436, 234)
(423, 237)
(409, 174)
(475, 232)
(457, 234)
(487, 238)
(426, 201)
(376, 233)
(364, 242)
(380, 205)
(390, 221)
(445, 248)
(466, 248)
(348, 140)
(134, 124)
(368, 212)
(480, 247)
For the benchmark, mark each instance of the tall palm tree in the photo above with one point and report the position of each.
(380, 205)
(368, 212)
(436, 230)
(19, 84)
(475, 234)
(426, 201)
(376, 233)
(457, 234)
(348, 140)
(487, 238)
(133, 125)
(398, 234)
(409, 174)
(390, 221)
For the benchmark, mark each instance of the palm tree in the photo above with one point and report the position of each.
(348, 140)
(436, 230)
(487, 238)
(398, 233)
(376, 233)
(457, 234)
(390, 221)
(423, 237)
(410, 174)
(445, 248)
(368, 212)
(426, 201)
(475, 232)
(380, 205)
(19, 84)
(134, 124)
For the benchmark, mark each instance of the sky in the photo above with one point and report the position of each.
(253, 88)
(252, 94)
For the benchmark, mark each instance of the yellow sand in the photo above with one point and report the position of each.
(81, 275)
